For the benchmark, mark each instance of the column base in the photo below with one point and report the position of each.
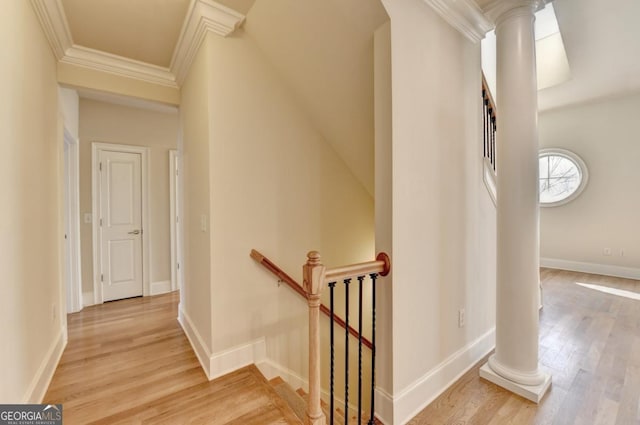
(530, 392)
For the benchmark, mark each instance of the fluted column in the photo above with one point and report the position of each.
(515, 363)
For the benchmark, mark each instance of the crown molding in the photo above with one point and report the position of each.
(55, 26)
(203, 16)
(463, 15)
(118, 65)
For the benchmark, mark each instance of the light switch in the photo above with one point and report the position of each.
(88, 217)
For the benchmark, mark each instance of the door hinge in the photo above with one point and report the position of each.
(100, 166)
(177, 219)
(100, 222)
(101, 278)
(178, 266)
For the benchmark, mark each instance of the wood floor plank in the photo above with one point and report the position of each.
(129, 362)
(589, 341)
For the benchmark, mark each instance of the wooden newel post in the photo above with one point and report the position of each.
(313, 273)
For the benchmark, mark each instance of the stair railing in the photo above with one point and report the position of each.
(283, 277)
(489, 123)
(316, 277)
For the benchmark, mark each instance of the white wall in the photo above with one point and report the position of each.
(32, 304)
(195, 303)
(605, 135)
(272, 183)
(443, 231)
(276, 186)
(384, 200)
(70, 104)
(118, 124)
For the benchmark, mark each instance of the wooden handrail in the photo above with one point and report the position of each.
(285, 278)
(381, 265)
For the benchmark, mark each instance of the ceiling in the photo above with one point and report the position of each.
(338, 99)
(324, 52)
(305, 40)
(111, 26)
(602, 42)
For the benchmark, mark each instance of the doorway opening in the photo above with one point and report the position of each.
(73, 273)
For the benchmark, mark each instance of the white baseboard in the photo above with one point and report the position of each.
(197, 343)
(602, 269)
(489, 178)
(160, 287)
(87, 299)
(40, 383)
(401, 408)
(223, 362)
(234, 358)
(271, 369)
(384, 406)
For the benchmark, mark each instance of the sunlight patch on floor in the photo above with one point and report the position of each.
(612, 291)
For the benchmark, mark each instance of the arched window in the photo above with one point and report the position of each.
(563, 176)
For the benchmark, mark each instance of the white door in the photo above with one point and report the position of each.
(120, 224)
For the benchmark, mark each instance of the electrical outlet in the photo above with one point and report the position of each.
(461, 318)
(606, 251)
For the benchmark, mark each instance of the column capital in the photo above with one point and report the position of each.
(496, 10)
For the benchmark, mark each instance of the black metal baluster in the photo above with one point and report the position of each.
(360, 279)
(493, 140)
(346, 350)
(486, 125)
(491, 153)
(373, 344)
(484, 121)
(332, 285)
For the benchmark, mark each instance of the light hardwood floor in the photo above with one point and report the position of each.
(589, 341)
(128, 362)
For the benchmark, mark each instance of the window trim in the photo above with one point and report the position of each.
(582, 169)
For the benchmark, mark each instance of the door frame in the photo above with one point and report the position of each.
(176, 223)
(72, 216)
(96, 148)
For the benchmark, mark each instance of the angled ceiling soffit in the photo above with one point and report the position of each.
(202, 16)
(464, 15)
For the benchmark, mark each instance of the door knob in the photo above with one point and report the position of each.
(135, 232)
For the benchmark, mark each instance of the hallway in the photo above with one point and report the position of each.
(129, 362)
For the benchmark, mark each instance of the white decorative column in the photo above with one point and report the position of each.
(514, 365)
